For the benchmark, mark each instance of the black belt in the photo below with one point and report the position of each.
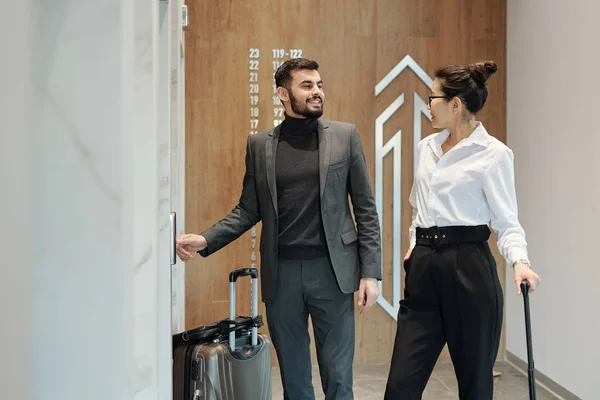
(437, 236)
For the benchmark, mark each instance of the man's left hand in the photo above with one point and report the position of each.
(368, 292)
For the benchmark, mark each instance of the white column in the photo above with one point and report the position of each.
(83, 260)
(80, 213)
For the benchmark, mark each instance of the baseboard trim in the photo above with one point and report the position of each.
(541, 380)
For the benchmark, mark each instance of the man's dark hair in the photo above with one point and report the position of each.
(283, 76)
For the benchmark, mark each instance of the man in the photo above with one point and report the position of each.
(297, 181)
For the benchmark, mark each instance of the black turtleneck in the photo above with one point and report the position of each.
(301, 235)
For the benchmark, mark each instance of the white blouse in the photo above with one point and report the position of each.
(472, 184)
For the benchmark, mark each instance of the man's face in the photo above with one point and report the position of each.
(306, 96)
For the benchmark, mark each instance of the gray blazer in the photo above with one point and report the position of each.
(355, 251)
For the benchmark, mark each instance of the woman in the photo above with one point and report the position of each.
(464, 180)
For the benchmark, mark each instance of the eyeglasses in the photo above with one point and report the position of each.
(435, 97)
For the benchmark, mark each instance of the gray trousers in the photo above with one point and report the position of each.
(309, 288)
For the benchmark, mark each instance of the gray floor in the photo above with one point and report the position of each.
(369, 384)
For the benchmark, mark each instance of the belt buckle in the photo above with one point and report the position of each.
(435, 236)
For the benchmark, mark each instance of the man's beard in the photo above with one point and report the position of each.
(301, 108)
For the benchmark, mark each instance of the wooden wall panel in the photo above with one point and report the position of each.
(357, 42)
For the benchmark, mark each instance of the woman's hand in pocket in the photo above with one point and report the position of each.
(407, 256)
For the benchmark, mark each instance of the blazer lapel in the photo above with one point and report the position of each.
(270, 153)
(324, 154)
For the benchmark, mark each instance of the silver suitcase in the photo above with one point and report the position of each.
(231, 366)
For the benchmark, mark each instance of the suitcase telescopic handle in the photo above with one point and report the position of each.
(233, 276)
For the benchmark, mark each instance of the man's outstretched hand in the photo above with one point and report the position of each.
(188, 245)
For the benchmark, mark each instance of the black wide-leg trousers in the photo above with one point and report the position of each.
(452, 295)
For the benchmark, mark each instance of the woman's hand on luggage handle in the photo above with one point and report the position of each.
(524, 273)
(368, 292)
(188, 244)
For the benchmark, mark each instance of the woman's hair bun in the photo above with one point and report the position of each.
(481, 71)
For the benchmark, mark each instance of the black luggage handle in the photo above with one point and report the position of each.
(217, 331)
(530, 363)
(234, 275)
(214, 330)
